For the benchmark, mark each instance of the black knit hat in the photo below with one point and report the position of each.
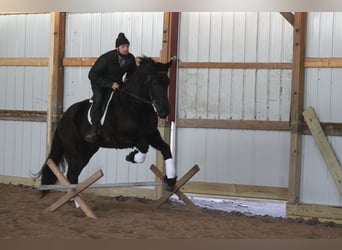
(121, 40)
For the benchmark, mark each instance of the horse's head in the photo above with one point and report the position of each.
(158, 82)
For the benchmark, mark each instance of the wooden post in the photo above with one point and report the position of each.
(169, 49)
(297, 102)
(56, 73)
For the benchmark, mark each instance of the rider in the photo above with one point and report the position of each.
(106, 74)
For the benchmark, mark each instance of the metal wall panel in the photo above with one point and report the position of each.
(323, 92)
(317, 184)
(234, 156)
(248, 94)
(22, 147)
(23, 144)
(24, 35)
(23, 88)
(90, 35)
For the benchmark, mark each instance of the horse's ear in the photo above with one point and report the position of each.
(168, 65)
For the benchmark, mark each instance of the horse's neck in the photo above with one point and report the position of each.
(135, 94)
(136, 87)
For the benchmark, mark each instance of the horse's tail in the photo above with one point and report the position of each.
(56, 154)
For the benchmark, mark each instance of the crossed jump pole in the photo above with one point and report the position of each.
(180, 183)
(73, 190)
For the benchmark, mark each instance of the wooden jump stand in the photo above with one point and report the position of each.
(180, 183)
(75, 190)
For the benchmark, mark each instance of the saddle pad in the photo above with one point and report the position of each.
(105, 112)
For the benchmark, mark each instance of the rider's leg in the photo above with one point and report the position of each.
(95, 114)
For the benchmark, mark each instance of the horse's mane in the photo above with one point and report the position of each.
(145, 67)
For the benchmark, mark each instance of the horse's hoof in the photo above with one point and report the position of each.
(130, 156)
(169, 184)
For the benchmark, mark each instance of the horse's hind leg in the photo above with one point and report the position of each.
(78, 161)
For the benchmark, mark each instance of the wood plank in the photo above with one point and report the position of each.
(324, 147)
(233, 124)
(297, 103)
(56, 73)
(248, 191)
(15, 180)
(288, 16)
(309, 211)
(21, 13)
(89, 61)
(79, 61)
(323, 62)
(179, 193)
(309, 62)
(23, 61)
(235, 65)
(76, 191)
(23, 115)
(329, 128)
(182, 181)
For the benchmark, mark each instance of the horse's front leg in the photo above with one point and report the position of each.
(139, 154)
(156, 141)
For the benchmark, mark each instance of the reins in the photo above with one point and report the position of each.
(140, 98)
(135, 96)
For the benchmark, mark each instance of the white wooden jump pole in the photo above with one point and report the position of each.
(105, 185)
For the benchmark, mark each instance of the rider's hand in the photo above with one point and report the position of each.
(115, 85)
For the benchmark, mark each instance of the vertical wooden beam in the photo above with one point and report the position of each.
(297, 103)
(169, 49)
(56, 73)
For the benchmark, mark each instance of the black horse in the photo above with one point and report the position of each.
(131, 121)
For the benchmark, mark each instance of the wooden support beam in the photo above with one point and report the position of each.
(297, 102)
(23, 115)
(248, 191)
(88, 61)
(323, 62)
(56, 73)
(288, 16)
(24, 61)
(309, 211)
(233, 124)
(235, 65)
(169, 49)
(324, 147)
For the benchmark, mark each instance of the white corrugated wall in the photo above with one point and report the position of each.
(23, 144)
(234, 156)
(90, 35)
(323, 93)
